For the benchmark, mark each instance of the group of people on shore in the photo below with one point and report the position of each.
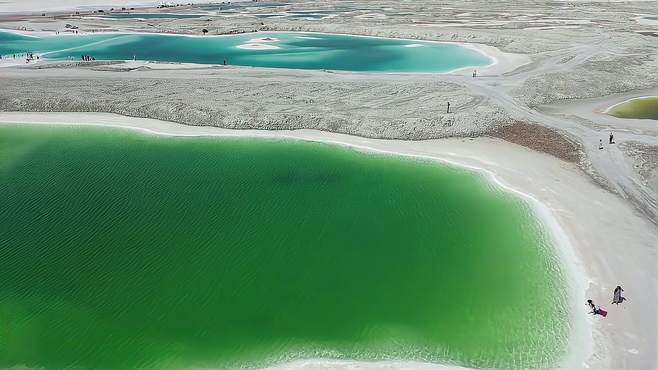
(617, 298)
(87, 58)
(29, 56)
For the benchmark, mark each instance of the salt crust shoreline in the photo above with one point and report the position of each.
(37, 6)
(501, 62)
(626, 101)
(491, 157)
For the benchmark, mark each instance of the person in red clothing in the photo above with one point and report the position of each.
(596, 310)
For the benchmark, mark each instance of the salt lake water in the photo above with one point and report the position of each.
(262, 49)
(642, 108)
(154, 16)
(120, 250)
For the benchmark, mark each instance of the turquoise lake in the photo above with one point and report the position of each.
(276, 50)
(154, 16)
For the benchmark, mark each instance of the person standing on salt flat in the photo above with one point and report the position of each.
(617, 297)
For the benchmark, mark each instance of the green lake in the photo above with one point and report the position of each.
(261, 49)
(120, 250)
(644, 108)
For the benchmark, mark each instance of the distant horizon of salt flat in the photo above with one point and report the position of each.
(35, 6)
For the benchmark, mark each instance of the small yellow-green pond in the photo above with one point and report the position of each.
(646, 108)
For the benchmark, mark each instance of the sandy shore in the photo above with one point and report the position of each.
(559, 66)
(548, 57)
(34, 6)
(325, 364)
(602, 240)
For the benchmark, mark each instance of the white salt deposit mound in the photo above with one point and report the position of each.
(257, 46)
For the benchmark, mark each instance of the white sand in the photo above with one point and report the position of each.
(133, 64)
(257, 46)
(37, 6)
(602, 241)
(326, 364)
(34, 6)
(264, 39)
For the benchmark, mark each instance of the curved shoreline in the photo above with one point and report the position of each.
(332, 364)
(501, 62)
(607, 110)
(578, 347)
(580, 65)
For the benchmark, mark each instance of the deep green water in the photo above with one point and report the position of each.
(644, 108)
(290, 50)
(123, 250)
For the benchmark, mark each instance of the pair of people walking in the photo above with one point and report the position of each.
(617, 298)
(611, 140)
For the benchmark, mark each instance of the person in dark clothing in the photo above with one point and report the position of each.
(616, 295)
(612, 139)
(448, 111)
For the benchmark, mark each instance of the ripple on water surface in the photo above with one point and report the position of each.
(122, 250)
(290, 50)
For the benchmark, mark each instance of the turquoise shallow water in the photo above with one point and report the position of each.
(285, 50)
(154, 16)
(120, 250)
